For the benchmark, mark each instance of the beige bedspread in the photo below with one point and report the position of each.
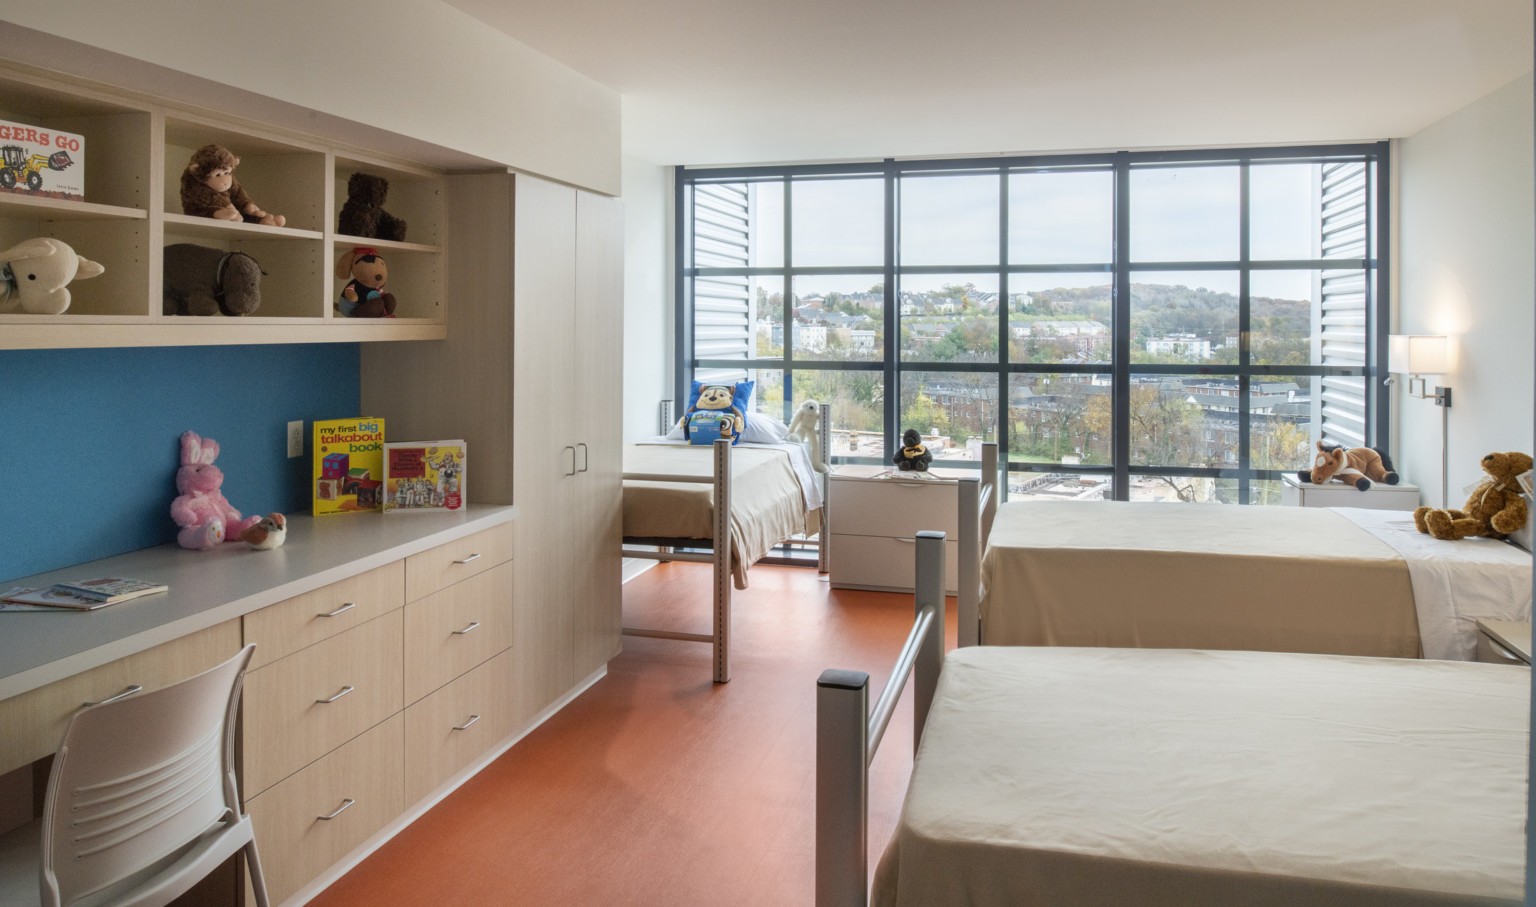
(1169, 777)
(1127, 574)
(767, 503)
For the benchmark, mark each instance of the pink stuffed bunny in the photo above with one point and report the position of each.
(205, 518)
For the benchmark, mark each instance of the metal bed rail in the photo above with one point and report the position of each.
(978, 508)
(848, 733)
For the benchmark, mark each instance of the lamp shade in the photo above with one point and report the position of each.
(1418, 354)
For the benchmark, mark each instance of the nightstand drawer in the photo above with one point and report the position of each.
(457, 724)
(1296, 493)
(457, 560)
(451, 631)
(885, 564)
(894, 508)
(301, 621)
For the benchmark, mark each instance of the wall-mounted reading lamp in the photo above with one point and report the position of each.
(1418, 356)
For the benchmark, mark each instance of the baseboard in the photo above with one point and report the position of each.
(350, 861)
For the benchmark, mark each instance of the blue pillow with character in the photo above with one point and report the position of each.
(717, 411)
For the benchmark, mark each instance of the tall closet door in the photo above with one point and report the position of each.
(598, 516)
(545, 429)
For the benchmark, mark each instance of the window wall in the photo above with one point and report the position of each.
(1135, 326)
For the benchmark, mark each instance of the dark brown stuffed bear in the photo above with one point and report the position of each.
(364, 214)
(209, 189)
(204, 281)
(1495, 508)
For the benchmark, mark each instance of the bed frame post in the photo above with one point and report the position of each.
(968, 625)
(930, 658)
(722, 552)
(823, 537)
(842, 789)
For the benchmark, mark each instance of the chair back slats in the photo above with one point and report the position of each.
(140, 778)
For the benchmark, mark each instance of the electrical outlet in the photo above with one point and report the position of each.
(296, 438)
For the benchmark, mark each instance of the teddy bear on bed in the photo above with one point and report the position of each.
(719, 399)
(209, 189)
(364, 214)
(1495, 509)
(1357, 466)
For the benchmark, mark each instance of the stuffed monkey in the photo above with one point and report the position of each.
(209, 189)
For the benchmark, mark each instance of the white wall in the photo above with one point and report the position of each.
(648, 302)
(420, 68)
(1467, 240)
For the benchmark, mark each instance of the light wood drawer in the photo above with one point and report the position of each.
(449, 563)
(438, 743)
(451, 631)
(288, 626)
(891, 507)
(886, 564)
(33, 723)
(296, 845)
(286, 727)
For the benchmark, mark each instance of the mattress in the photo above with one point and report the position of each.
(768, 502)
(1162, 777)
(1130, 574)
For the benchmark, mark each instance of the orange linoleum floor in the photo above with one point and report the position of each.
(656, 786)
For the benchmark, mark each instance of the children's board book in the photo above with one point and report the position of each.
(424, 476)
(110, 589)
(41, 162)
(349, 465)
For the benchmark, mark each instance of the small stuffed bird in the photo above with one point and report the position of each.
(267, 533)
(914, 455)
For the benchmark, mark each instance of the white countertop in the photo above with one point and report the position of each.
(210, 587)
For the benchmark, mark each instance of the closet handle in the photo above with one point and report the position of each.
(573, 459)
(583, 447)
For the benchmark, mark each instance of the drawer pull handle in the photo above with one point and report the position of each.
(342, 610)
(472, 557)
(472, 625)
(908, 541)
(345, 805)
(344, 691)
(465, 725)
(123, 695)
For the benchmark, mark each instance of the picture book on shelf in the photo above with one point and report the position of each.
(424, 476)
(349, 465)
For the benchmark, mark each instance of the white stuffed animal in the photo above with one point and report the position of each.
(33, 275)
(805, 427)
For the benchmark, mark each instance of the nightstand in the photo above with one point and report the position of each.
(877, 520)
(1505, 642)
(1380, 496)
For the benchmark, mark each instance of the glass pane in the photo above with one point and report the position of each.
(1280, 422)
(1183, 420)
(767, 224)
(1060, 317)
(838, 222)
(954, 411)
(1183, 489)
(1060, 419)
(948, 317)
(768, 394)
(948, 220)
(858, 408)
(1061, 218)
(839, 317)
(1282, 215)
(1179, 317)
(1285, 322)
(767, 316)
(1063, 485)
(1264, 493)
(1185, 213)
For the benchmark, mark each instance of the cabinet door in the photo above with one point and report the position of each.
(549, 402)
(598, 515)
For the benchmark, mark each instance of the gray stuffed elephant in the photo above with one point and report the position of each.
(204, 281)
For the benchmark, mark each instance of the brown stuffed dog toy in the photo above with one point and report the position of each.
(209, 189)
(1357, 466)
(364, 295)
(1495, 508)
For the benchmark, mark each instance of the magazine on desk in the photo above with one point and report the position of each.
(80, 595)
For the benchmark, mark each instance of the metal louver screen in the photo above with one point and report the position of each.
(722, 306)
(1343, 206)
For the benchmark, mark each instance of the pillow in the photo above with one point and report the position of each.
(1523, 537)
(764, 429)
(739, 399)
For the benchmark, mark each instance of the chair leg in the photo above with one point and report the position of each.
(253, 867)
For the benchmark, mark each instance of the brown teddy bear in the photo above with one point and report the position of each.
(364, 295)
(1495, 508)
(364, 215)
(1357, 466)
(209, 189)
(204, 281)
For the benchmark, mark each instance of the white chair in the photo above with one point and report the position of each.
(141, 803)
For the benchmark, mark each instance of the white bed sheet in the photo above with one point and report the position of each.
(1454, 583)
(799, 460)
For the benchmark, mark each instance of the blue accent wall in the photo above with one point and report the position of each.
(90, 439)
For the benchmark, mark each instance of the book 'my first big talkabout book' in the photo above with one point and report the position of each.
(349, 465)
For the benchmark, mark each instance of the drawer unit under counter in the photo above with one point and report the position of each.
(453, 630)
(301, 621)
(301, 707)
(457, 724)
(894, 508)
(886, 564)
(319, 815)
(458, 560)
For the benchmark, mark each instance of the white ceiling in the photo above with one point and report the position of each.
(748, 81)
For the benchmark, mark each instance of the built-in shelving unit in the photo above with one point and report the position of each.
(135, 151)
